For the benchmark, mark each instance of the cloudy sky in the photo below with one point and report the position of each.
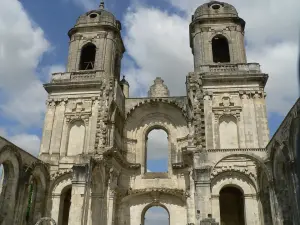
(34, 43)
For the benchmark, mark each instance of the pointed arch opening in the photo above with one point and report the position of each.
(87, 57)
(220, 49)
(228, 131)
(155, 215)
(157, 151)
(232, 206)
(76, 138)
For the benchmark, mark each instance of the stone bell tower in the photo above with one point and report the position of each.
(78, 118)
(227, 98)
(96, 43)
(217, 35)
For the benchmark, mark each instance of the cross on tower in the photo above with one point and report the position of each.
(101, 6)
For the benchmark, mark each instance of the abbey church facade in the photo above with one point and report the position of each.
(92, 169)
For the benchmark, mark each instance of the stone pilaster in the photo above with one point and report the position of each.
(215, 207)
(251, 210)
(202, 192)
(48, 124)
(208, 120)
(112, 196)
(57, 128)
(93, 126)
(79, 181)
(261, 119)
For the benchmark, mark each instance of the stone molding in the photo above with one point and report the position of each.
(238, 150)
(170, 101)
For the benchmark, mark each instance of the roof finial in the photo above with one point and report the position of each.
(101, 6)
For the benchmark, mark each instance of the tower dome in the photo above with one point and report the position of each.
(95, 18)
(215, 9)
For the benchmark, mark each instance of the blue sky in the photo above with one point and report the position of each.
(34, 43)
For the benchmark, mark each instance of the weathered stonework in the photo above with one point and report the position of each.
(91, 168)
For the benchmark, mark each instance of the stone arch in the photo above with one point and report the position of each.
(172, 103)
(133, 207)
(245, 185)
(220, 49)
(76, 137)
(228, 132)
(283, 185)
(264, 199)
(12, 163)
(294, 140)
(35, 193)
(160, 115)
(237, 180)
(87, 56)
(260, 162)
(153, 204)
(41, 176)
(59, 187)
(60, 183)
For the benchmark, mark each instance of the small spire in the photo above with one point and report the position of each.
(101, 6)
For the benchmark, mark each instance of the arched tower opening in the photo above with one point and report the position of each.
(155, 215)
(157, 146)
(232, 206)
(87, 57)
(65, 205)
(220, 49)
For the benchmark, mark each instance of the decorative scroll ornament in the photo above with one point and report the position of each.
(196, 98)
(227, 107)
(45, 219)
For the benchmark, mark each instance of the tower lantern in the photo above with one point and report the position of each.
(217, 35)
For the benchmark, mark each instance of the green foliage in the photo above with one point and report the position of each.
(29, 204)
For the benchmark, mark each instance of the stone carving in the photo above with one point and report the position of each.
(196, 97)
(158, 89)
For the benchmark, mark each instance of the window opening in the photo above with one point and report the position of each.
(220, 49)
(156, 215)
(87, 58)
(157, 151)
(232, 206)
(66, 198)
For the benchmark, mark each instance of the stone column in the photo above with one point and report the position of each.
(55, 207)
(64, 138)
(203, 193)
(47, 131)
(80, 176)
(111, 196)
(93, 126)
(109, 54)
(251, 210)
(208, 121)
(57, 128)
(215, 207)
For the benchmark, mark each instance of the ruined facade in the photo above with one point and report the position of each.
(92, 168)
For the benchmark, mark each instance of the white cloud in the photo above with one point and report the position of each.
(22, 45)
(158, 42)
(28, 142)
